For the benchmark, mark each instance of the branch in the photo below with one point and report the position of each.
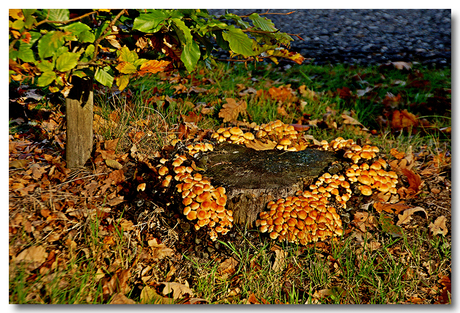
(98, 40)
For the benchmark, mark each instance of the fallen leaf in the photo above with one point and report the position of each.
(117, 283)
(364, 220)
(32, 257)
(401, 65)
(403, 120)
(259, 145)
(178, 290)
(159, 251)
(150, 296)
(439, 226)
(252, 299)
(280, 259)
(282, 93)
(120, 298)
(19, 163)
(406, 216)
(389, 207)
(398, 155)
(227, 268)
(231, 110)
(113, 164)
(388, 227)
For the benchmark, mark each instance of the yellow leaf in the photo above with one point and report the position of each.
(153, 66)
(122, 81)
(17, 14)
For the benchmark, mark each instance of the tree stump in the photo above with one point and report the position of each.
(252, 178)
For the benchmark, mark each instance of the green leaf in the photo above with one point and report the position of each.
(25, 51)
(29, 19)
(18, 24)
(126, 55)
(103, 76)
(262, 22)
(46, 78)
(76, 28)
(60, 15)
(150, 22)
(86, 36)
(190, 55)
(45, 66)
(239, 42)
(50, 43)
(89, 50)
(67, 61)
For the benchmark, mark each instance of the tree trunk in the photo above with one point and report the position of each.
(79, 116)
(253, 178)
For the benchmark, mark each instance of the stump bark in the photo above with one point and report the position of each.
(252, 178)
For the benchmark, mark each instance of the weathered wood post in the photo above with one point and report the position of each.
(79, 117)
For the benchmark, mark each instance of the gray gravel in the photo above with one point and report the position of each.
(366, 36)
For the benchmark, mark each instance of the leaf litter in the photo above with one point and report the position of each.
(152, 268)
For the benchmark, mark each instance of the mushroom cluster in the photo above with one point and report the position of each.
(233, 135)
(201, 201)
(303, 218)
(283, 135)
(310, 215)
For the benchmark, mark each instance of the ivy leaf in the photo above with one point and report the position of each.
(67, 61)
(150, 22)
(50, 43)
(103, 76)
(46, 78)
(239, 42)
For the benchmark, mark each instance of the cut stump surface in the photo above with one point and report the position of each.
(252, 178)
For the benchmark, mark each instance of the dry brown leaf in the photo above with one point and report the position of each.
(389, 207)
(406, 216)
(120, 298)
(308, 93)
(280, 260)
(159, 251)
(398, 155)
(403, 120)
(117, 283)
(232, 109)
(150, 296)
(19, 163)
(400, 65)
(32, 257)
(178, 290)
(227, 268)
(364, 220)
(439, 226)
(252, 299)
(259, 145)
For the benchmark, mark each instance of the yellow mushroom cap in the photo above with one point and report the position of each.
(236, 131)
(365, 190)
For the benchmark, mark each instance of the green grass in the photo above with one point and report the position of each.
(348, 272)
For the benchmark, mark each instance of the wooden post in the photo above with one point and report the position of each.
(79, 117)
